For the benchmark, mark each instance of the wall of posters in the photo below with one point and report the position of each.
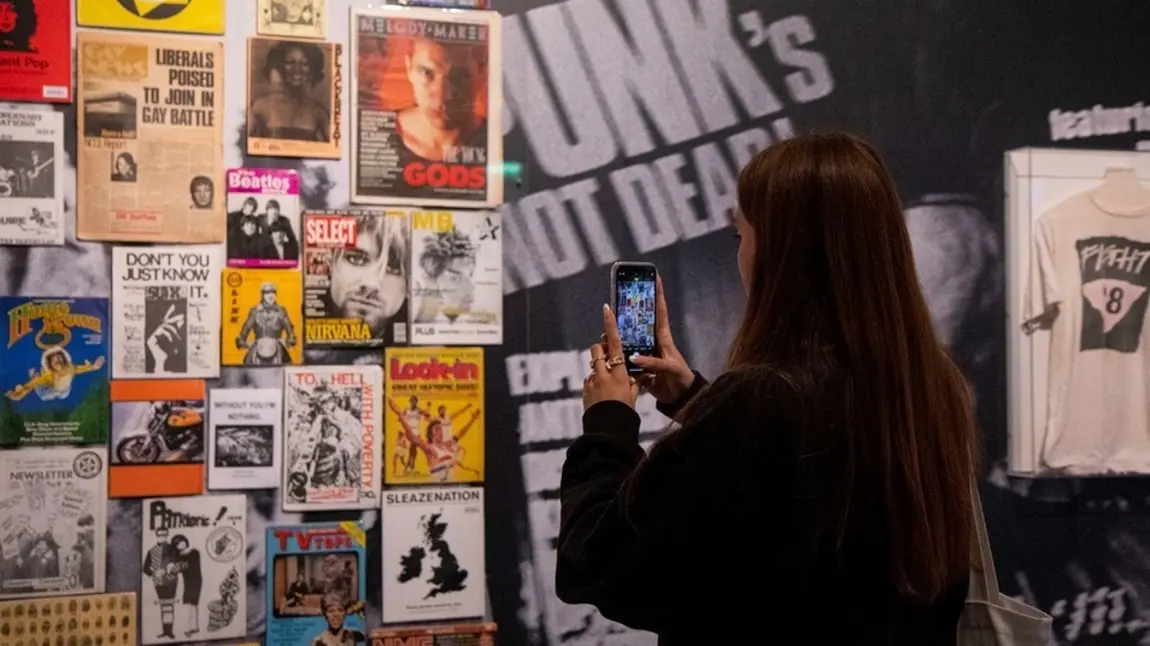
(262, 318)
(150, 113)
(36, 51)
(244, 438)
(427, 107)
(31, 177)
(199, 17)
(292, 18)
(157, 438)
(263, 218)
(294, 93)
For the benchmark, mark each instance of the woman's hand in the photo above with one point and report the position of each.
(609, 380)
(667, 374)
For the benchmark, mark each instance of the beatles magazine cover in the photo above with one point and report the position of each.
(150, 113)
(292, 18)
(434, 427)
(53, 508)
(31, 177)
(450, 635)
(157, 438)
(262, 318)
(263, 217)
(54, 371)
(355, 277)
(192, 573)
(433, 558)
(104, 619)
(294, 89)
(184, 16)
(36, 51)
(332, 437)
(166, 311)
(316, 584)
(426, 107)
(457, 278)
(244, 438)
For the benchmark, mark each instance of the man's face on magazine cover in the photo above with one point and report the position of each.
(8, 16)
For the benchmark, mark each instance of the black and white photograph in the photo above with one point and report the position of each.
(243, 446)
(110, 115)
(295, 18)
(27, 169)
(261, 233)
(202, 191)
(293, 97)
(165, 324)
(32, 163)
(162, 432)
(124, 167)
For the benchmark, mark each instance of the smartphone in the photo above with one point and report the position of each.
(633, 301)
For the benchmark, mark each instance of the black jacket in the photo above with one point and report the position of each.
(710, 539)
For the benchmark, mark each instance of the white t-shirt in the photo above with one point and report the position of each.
(1095, 265)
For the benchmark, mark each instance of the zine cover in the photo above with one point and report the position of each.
(193, 567)
(263, 218)
(244, 438)
(316, 584)
(104, 619)
(450, 635)
(262, 317)
(456, 278)
(31, 177)
(157, 438)
(53, 510)
(54, 371)
(36, 51)
(434, 429)
(332, 437)
(294, 18)
(433, 558)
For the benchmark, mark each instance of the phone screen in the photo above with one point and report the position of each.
(635, 310)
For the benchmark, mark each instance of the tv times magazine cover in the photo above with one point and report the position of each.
(263, 218)
(54, 371)
(316, 584)
(52, 521)
(36, 51)
(426, 107)
(332, 438)
(262, 317)
(355, 280)
(457, 278)
(31, 177)
(434, 429)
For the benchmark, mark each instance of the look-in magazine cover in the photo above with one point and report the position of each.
(433, 555)
(157, 438)
(36, 51)
(456, 278)
(192, 571)
(315, 584)
(53, 508)
(450, 635)
(54, 371)
(262, 317)
(95, 618)
(434, 429)
(263, 217)
(32, 166)
(332, 437)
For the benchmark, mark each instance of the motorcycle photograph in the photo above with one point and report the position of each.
(175, 433)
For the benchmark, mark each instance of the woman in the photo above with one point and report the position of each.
(821, 484)
(288, 110)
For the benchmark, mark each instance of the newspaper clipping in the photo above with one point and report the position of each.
(426, 107)
(150, 113)
(244, 438)
(292, 18)
(262, 322)
(31, 177)
(355, 279)
(294, 89)
(457, 286)
(36, 51)
(263, 217)
(166, 311)
(52, 521)
(332, 438)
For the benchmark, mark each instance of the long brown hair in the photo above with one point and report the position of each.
(834, 274)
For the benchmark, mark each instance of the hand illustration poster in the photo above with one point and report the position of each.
(198, 17)
(294, 98)
(36, 51)
(192, 584)
(31, 177)
(157, 438)
(262, 318)
(292, 18)
(244, 438)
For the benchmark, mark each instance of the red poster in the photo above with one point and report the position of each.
(36, 51)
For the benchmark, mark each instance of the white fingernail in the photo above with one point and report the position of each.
(634, 356)
(606, 306)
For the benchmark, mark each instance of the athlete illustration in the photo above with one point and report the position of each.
(444, 454)
(405, 451)
(54, 380)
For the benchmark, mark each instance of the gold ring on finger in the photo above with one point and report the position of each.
(596, 359)
(615, 361)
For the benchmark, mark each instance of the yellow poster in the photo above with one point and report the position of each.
(434, 415)
(262, 318)
(183, 16)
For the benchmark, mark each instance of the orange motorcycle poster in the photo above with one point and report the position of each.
(157, 438)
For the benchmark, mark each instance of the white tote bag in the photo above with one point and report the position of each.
(989, 618)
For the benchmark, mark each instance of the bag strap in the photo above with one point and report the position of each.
(984, 582)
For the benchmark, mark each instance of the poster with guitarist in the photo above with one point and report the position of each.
(31, 178)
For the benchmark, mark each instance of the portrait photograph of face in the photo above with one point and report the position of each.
(292, 98)
(17, 26)
(369, 280)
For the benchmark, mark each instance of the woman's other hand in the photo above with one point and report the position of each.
(609, 380)
(667, 375)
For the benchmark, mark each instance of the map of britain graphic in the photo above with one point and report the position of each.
(446, 577)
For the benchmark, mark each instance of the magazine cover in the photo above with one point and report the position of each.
(332, 437)
(292, 18)
(451, 635)
(315, 584)
(150, 119)
(103, 619)
(263, 217)
(166, 311)
(457, 278)
(355, 279)
(157, 438)
(36, 51)
(433, 558)
(31, 177)
(294, 92)
(193, 569)
(263, 317)
(54, 371)
(53, 508)
(199, 17)
(244, 438)
(434, 429)
(426, 107)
